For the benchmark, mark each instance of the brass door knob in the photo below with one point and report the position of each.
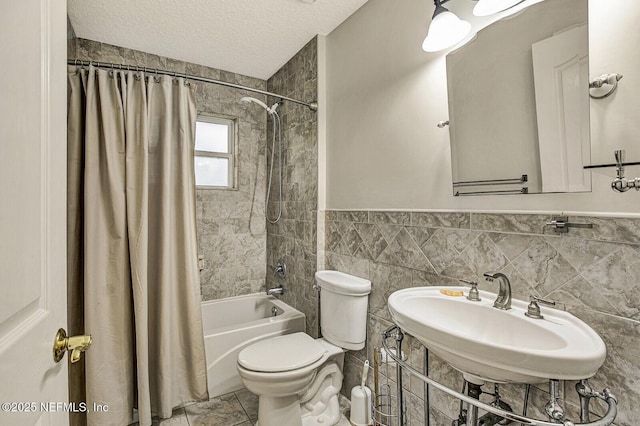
(75, 344)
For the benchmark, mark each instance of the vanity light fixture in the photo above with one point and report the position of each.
(489, 7)
(446, 29)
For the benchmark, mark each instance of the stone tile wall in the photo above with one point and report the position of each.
(231, 225)
(294, 237)
(71, 40)
(592, 273)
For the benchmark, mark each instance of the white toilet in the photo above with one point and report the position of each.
(297, 378)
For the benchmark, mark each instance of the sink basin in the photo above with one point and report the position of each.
(499, 346)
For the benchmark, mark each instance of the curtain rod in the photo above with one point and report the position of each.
(313, 106)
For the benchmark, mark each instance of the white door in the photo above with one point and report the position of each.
(32, 210)
(561, 75)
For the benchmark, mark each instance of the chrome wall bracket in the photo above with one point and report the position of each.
(622, 184)
(561, 224)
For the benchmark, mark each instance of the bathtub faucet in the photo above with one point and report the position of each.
(275, 290)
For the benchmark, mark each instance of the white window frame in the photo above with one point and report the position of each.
(232, 124)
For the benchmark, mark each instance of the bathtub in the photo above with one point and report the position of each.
(233, 323)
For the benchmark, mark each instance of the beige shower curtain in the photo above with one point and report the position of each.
(133, 273)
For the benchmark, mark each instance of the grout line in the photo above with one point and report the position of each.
(243, 408)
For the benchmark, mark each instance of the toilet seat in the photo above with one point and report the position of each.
(283, 353)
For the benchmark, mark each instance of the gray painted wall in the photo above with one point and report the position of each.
(385, 96)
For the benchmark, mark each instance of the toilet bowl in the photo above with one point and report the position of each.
(302, 383)
(298, 378)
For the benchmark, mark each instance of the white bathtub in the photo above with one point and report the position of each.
(231, 324)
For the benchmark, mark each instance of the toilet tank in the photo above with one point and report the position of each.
(343, 308)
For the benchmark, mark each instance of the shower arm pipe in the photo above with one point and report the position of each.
(313, 106)
(606, 396)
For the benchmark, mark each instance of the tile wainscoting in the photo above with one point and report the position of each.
(592, 273)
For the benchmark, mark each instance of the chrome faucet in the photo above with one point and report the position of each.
(279, 271)
(533, 310)
(503, 301)
(275, 290)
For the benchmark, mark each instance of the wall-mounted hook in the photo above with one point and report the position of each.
(605, 79)
(442, 124)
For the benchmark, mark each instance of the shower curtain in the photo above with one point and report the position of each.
(133, 276)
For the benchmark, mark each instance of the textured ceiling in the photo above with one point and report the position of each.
(251, 37)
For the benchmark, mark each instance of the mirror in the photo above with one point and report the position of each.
(519, 103)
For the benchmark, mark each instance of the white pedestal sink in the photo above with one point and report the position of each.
(499, 346)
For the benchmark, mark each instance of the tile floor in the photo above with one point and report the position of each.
(233, 409)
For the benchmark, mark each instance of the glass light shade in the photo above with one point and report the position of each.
(446, 30)
(489, 7)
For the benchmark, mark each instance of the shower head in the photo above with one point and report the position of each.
(248, 100)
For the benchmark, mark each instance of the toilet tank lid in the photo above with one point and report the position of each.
(341, 283)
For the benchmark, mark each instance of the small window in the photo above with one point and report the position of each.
(214, 154)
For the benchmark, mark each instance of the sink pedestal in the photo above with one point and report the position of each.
(474, 391)
(498, 412)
